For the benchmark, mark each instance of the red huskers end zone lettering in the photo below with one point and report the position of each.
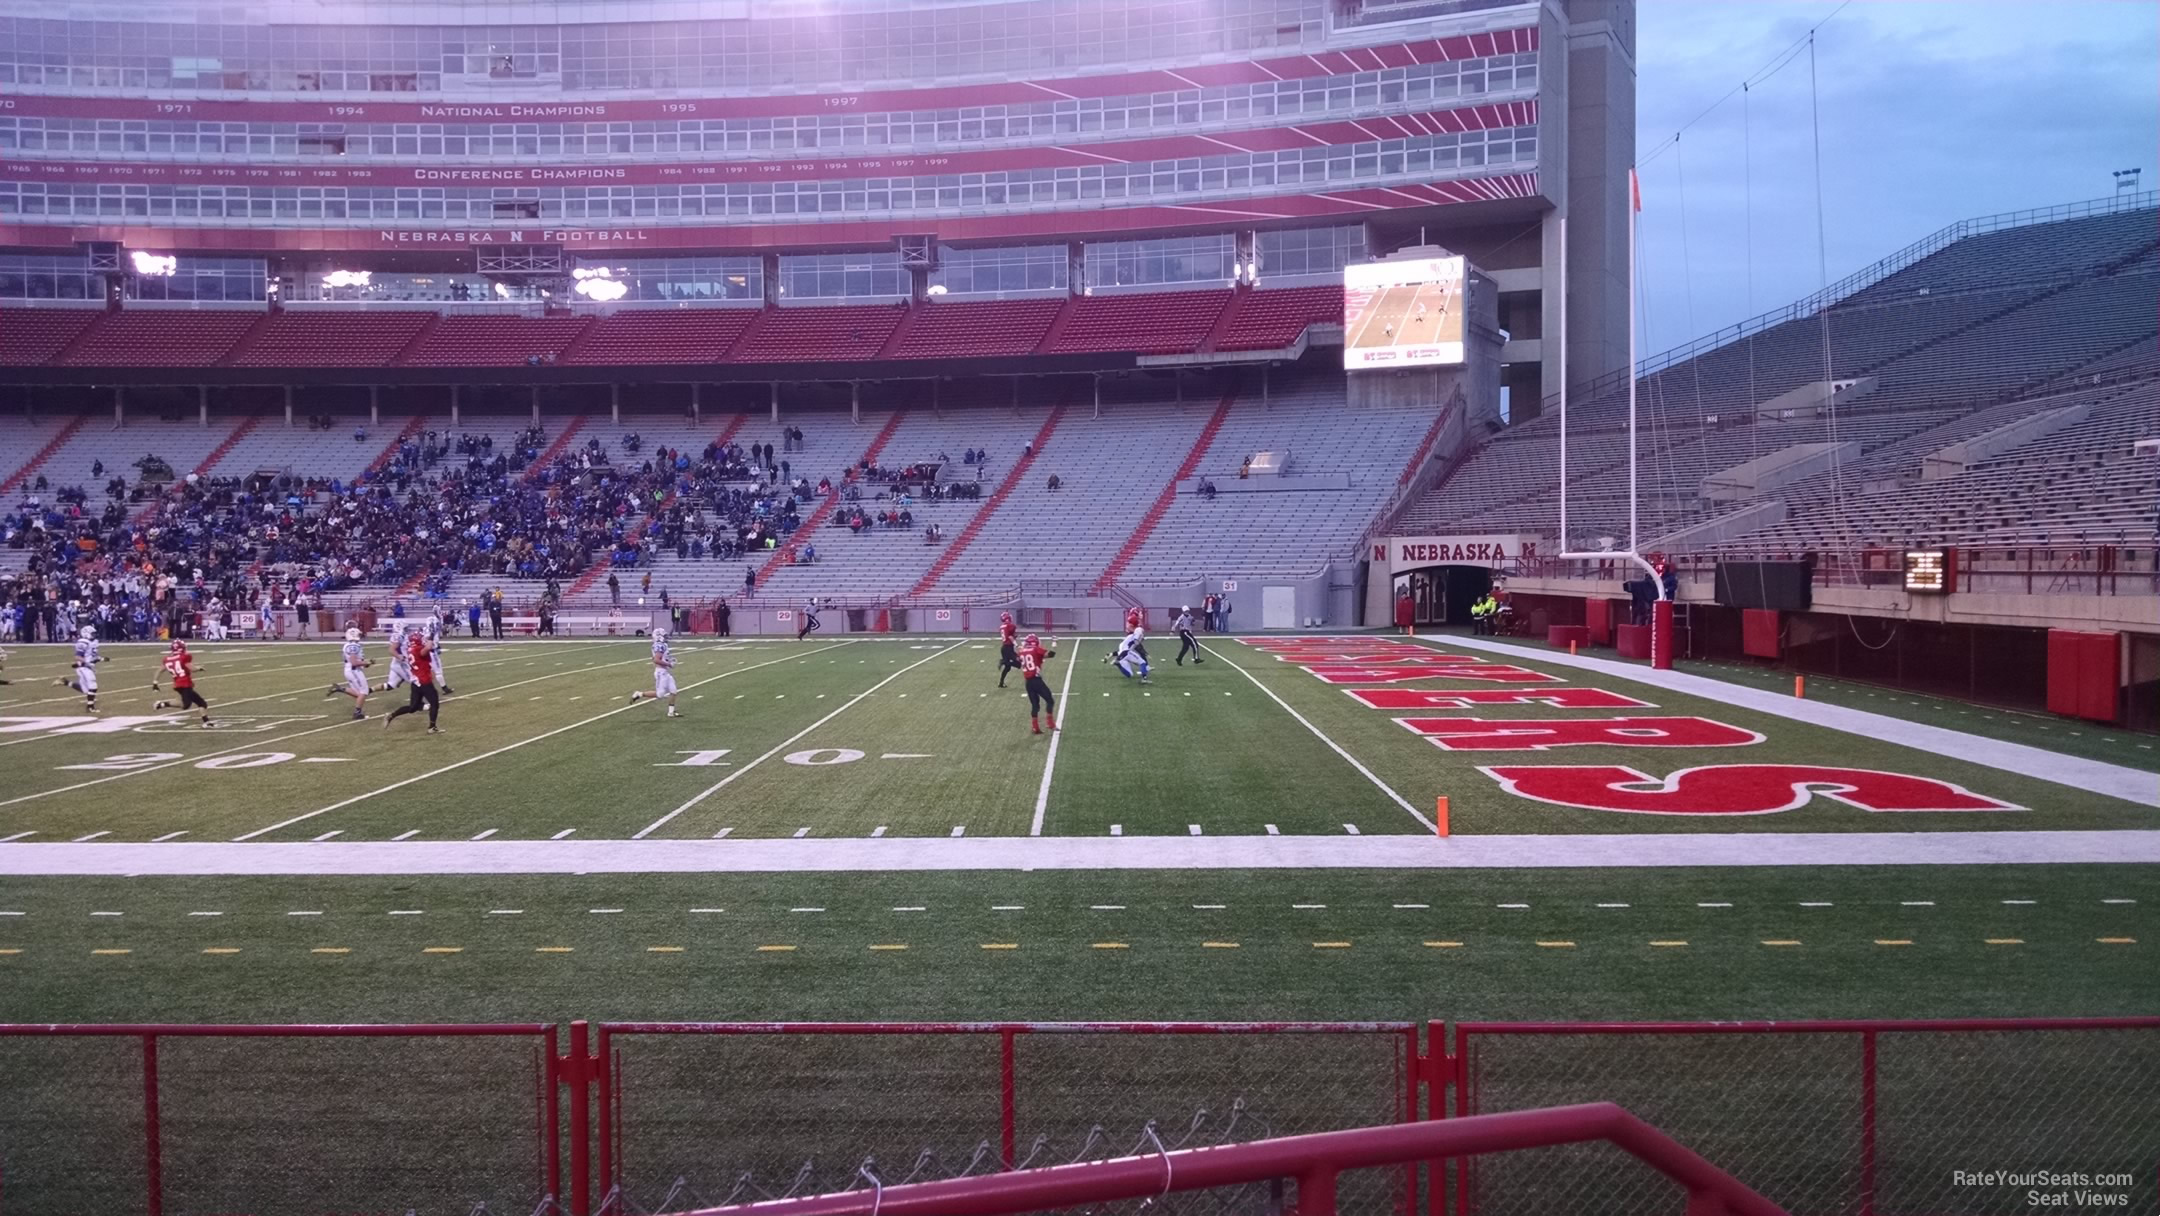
(1469, 698)
(1520, 734)
(1394, 673)
(1736, 789)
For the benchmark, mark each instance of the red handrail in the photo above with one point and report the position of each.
(1314, 1160)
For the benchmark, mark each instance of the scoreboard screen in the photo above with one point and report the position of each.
(1403, 313)
(1927, 572)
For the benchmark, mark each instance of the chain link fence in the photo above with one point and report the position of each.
(214, 1120)
(1831, 1119)
(701, 1116)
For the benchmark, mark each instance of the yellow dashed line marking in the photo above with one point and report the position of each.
(2006, 941)
(1782, 941)
(1001, 945)
(1331, 945)
(892, 946)
(1669, 943)
(1893, 941)
(553, 949)
(112, 952)
(331, 950)
(442, 950)
(1444, 945)
(1112, 946)
(663, 949)
(1218, 945)
(2105, 941)
(1558, 945)
(221, 950)
(774, 949)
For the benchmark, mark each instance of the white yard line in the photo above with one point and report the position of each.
(508, 747)
(1368, 774)
(1042, 793)
(1410, 851)
(777, 748)
(2095, 776)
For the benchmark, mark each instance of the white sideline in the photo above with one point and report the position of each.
(2092, 776)
(899, 853)
(722, 784)
(1369, 775)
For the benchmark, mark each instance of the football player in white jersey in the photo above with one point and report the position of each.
(400, 670)
(663, 672)
(86, 660)
(356, 665)
(1133, 651)
(431, 632)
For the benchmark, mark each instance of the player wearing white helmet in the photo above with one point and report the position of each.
(356, 665)
(1186, 642)
(400, 669)
(663, 672)
(86, 660)
(431, 632)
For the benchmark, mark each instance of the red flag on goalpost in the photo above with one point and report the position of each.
(1634, 189)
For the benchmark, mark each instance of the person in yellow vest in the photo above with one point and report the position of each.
(1481, 613)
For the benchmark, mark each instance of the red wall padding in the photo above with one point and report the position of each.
(2084, 674)
(1633, 641)
(1597, 616)
(1759, 632)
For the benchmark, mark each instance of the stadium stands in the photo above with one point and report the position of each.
(1271, 319)
(974, 328)
(702, 335)
(322, 339)
(496, 341)
(155, 338)
(818, 335)
(30, 337)
(1149, 323)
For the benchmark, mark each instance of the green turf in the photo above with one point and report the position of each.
(843, 737)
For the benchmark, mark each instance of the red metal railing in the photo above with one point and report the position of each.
(1829, 1116)
(2093, 568)
(210, 1126)
(1045, 1088)
(1317, 1163)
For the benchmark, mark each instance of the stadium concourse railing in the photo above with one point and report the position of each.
(1874, 1118)
(2010, 568)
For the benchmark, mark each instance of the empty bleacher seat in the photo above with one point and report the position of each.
(1149, 323)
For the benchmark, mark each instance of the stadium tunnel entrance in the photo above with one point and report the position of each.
(1441, 595)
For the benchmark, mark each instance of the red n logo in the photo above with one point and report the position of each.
(1379, 553)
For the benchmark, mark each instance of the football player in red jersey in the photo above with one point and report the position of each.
(1041, 704)
(1133, 619)
(1008, 657)
(181, 666)
(421, 661)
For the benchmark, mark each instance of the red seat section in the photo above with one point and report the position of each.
(1153, 323)
(32, 336)
(333, 339)
(1273, 319)
(977, 327)
(818, 335)
(495, 341)
(154, 338)
(701, 335)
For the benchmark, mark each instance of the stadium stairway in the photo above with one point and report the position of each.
(1161, 507)
(38, 458)
(784, 554)
(959, 544)
(562, 444)
(413, 426)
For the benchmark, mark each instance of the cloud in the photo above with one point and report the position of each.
(1928, 113)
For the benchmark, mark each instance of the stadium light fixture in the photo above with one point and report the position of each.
(599, 283)
(349, 278)
(935, 289)
(153, 265)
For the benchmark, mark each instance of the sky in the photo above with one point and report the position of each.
(1931, 111)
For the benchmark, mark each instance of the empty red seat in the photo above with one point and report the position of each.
(155, 338)
(818, 335)
(30, 337)
(333, 339)
(963, 328)
(1270, 319)
(1150, 323)
(494, 341)
(698, 335)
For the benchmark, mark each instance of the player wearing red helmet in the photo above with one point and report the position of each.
(1042, 706)
(1008, 657)
(181, 666)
